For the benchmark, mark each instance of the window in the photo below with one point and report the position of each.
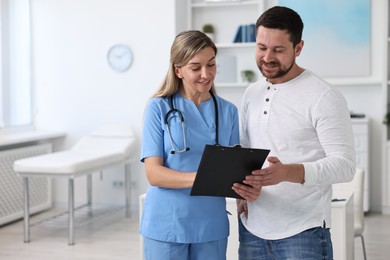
(15, 65)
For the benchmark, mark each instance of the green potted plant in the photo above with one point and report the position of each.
(248, 76)
(208, 29)
(386, 119)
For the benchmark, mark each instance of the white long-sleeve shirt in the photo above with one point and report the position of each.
(303, 121)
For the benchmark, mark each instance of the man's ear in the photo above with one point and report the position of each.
(298, 48)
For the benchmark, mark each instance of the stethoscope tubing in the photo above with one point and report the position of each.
(174, 110)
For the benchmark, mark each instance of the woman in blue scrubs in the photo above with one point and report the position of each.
(179, 121)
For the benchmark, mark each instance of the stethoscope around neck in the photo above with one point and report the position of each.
(174, 110)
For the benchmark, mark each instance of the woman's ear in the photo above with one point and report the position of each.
(178, 72)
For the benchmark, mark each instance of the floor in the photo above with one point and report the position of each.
(377, 238)
(111, 236)
(114, 237)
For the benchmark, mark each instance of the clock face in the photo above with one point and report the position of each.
(119, 57)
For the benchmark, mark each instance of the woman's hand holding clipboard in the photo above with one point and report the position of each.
(222, 166)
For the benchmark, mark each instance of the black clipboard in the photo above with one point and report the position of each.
(222, 166)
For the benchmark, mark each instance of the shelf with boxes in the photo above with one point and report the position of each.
(233, 23)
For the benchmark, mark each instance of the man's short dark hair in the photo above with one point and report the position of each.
(282, 18)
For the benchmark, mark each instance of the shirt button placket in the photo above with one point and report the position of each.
(267, 103)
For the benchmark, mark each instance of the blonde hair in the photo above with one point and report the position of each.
(185, 46)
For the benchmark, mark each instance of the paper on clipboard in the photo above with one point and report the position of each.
(222, 166)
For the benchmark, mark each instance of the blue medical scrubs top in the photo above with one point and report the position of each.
(172, 215)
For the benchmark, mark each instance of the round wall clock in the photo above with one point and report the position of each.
(119, 57)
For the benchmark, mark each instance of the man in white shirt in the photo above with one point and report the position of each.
(306, 125)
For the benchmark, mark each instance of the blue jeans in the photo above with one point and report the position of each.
(311, 244)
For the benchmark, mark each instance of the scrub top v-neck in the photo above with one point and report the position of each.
(173, 215)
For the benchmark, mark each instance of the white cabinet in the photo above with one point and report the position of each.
(386, 180)
(233, 243)
(360, 128)
(226, 17)
(342, 227)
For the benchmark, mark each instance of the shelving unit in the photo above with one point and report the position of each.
(386, 134)
(226, 17)
(387, 68)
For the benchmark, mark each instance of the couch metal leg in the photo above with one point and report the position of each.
(26, 210)
(71, 211)
(364, 247)
(89, 189)
(127, 189)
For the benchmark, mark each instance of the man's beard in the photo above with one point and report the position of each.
(280, 73)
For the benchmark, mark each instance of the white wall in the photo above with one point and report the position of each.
(77, 91)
